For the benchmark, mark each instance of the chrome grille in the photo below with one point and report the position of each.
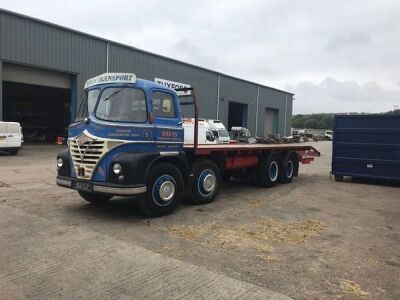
(86, 155)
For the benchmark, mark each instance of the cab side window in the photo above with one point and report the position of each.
(163, 105)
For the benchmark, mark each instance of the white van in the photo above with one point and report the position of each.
(205, 134)
(11, 137)
(329, 135)
(219, 130)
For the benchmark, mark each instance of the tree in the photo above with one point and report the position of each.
(313, 121)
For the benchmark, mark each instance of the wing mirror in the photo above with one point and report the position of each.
(166, 106)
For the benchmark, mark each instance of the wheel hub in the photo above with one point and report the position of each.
(289, 169)
(167, 191)
(209, 183)
(273, 171)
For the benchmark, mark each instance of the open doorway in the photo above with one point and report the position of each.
(43, 112)
(237, 115)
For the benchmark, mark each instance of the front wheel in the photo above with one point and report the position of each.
(165, 187)
(94, 198)
(206, 181)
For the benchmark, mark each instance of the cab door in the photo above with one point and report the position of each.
(14, 135)
(3, 135)
(167, 120)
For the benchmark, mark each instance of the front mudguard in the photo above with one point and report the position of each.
(66, 169)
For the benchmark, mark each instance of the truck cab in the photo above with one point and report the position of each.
(123, 126)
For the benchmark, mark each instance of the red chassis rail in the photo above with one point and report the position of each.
(238, 156)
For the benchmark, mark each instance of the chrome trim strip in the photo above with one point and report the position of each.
(106, 189)
(136, 142)
(161, 142)
(169, 153)
(168, 127)
(106, 139)
(118, 124)
(64, 182)
(132, 125)
(119, 191)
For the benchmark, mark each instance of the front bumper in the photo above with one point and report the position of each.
(103, 188)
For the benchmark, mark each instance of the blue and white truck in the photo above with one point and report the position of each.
(128, 139)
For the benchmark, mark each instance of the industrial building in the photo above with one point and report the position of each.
(43, 68)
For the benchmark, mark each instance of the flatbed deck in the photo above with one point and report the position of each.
(239, 147)
(305, 153)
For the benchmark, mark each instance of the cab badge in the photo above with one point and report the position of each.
(83, 139)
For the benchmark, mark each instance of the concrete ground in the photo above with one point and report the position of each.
(311, 239)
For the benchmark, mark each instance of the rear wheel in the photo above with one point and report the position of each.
(94, 198)
(206, 181)
(165, 187)
(289, 166)
(268, 172)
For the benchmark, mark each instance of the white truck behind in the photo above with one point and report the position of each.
(206, 136)
(219, 131)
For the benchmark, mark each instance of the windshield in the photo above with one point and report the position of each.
(223, 133)
(122, 105)
(87, 104)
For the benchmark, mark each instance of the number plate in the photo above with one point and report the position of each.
(85, 186)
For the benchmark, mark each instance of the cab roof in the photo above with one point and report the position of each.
(112, 78)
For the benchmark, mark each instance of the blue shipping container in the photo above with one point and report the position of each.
(366, 146)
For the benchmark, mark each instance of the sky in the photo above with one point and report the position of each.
(335, 56)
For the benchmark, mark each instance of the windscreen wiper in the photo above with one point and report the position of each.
(112, 94)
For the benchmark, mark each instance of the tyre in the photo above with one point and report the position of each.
(165, 188)
(205, 183)
(269, 170)
(289, 166)
(94, 198)
(14, 151)
(338, 178)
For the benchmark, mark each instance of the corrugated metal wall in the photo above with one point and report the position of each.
(148, 66)
(270, 98)
(25, 41)
(35, 43)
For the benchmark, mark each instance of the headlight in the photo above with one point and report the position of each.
(60, 162)
(117, 168)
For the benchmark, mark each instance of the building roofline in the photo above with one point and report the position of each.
(2, 10)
